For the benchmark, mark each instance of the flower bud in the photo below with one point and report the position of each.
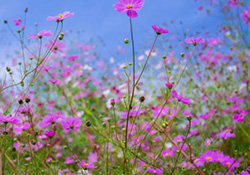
(126, 41)
(142, 99)
(189, 118)
(8, 69)
(112, 102)
(27, 100)
(88, 123)
(20, 102)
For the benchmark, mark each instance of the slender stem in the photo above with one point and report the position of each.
(155, 120)
(184, 141)
(182, 152)
(149, 54)
(133, 92)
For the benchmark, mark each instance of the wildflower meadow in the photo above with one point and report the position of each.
(176, 103)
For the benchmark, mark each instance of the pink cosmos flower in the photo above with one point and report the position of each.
(226, 134)
(216, 156)
(51, 119)
(209, 156)
(50, 133)
(5, 119)
(55, 46)
(19, 128)
(244, 173)
(214, 41)
(71, 124)
(180, 98)
(54, 81)
(240, 115)
(41, 34)
(159, 30)
(17, 22)
(167, 153)
(201, 8)
(60, 17)
(73, 58)
(71, 159)
(157, 109)
(194, 41)
(84, 164)
(209, 114)
(155, 171)
(246, 16)
(169, 85)
(233, 3)
(92, 158)
(129, 6)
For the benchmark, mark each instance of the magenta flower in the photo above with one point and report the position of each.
(84, 164)
(209, 156)
(209, 114)
(167, 153)
(169, 85)
(246, 16)
(60, 17)
(41, 34)
(159, 30)
(240, 115)
(226, 134)
(55, 46)
(71, 159)
(9, 119)
(129, 6)
(19, 128)
(17, 22)
(71, 124)
(233, 3)
(50, 133)
(157, 109)
(73, 58)
(216, 156)
(155, 171)
(51, 119)
(180, 98)
(244, 173)
(194, 41)
(54, 81)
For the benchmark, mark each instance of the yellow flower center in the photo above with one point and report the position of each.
(167, 154)
(208, 158)
(129, 6)
(86, 164)
(228, 163)
(60, 15)
(219, 159)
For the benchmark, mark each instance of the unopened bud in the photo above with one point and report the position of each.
(20, 101)
(142, 99)
(88, 123)
(126, 41)
(27, 100)
(112, 102)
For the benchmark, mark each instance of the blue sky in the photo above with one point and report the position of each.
(98, 18)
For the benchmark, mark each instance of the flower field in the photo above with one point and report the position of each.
(177, 104)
